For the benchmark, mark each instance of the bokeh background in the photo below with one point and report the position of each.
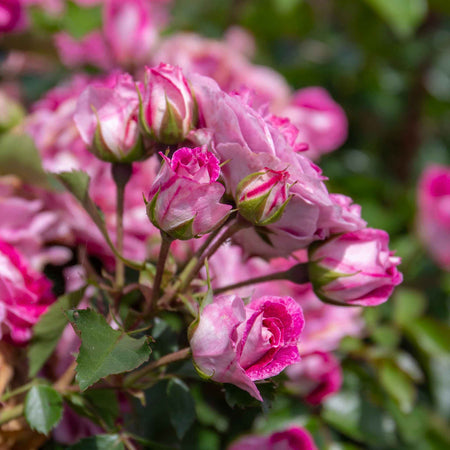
(387, 62)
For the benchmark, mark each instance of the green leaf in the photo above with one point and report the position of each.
(440, 383)
(403, 16)
(43, 408)
(398, 385)
(79, 20)
(19, 156)
(99, 405)
(104, 351)
(77, 182)
(181, 406)
(47, 331)
(99, 442)
(430, 335)
(408, 305)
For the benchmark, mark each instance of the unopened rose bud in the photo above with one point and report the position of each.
(355, 268)
(167, 110)
(262, 196)
(185, 196)
(107, 121)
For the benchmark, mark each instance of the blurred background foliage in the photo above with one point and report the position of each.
(387, 62)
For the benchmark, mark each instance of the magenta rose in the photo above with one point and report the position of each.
(240, 344)
(24, 296)
(295, 438)
(184, 200)
(354, 268)
(434, 213)
(12, 16)
(315, 377)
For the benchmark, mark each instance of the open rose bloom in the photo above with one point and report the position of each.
(239, 344)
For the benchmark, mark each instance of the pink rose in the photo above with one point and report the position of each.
(12, 16)
(184, 198)
(250, 142)
(106, 118)
(315, 377)
(434, 213)
(24, 296)
(130, 31)
(355, 268)
(321, 121)
(294, 438)
(168, 110)
(239, 344)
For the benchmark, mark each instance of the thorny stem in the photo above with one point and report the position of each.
(11, 413)
(121, 174)
(297, 274)
(164, 360)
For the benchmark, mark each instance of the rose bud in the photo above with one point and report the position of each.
(239, 344)
(107, 121)
(24, 296)
(167, 108)
(262, 196)
(354, 268)
(315, 377)
(185, 195)
(294, 438)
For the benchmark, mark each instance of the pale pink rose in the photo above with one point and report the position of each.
(226, 62)
(434, 213)
(53, 129)
(131, 31)
(184, 200)
(294, 438)
(107, 121)
(321, 121)
(24, 296)
(89, 50)
(250, 143)
(26, 224)
(317, 376)
(238, 344)
(168, 106)
(12, 16)
(355, 268)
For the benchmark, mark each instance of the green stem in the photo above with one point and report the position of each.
(121, 174)
(18, 391)
(300, 275)
(12, 413)
(166, 240)
(163, 361)
(236, 225)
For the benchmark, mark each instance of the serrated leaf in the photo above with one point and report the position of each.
(104, 351)
(99, 442)
(403, 16)
(398, 385)
(19, 156)
(47, 331)
(43, 408)
(181, 406)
